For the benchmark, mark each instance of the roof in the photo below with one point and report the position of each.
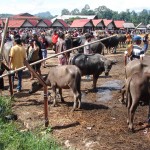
(24, 16)
(33, 22)
(64, 17)
(107, 22)
(96, 21)
(119, 23)
(61, 22)
(79, 23)
(47, 21)
(15, 23)
(128, 25)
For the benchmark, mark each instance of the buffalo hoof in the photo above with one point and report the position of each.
(131, 130)
(30, 92)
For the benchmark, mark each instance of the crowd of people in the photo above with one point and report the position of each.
(34, 47)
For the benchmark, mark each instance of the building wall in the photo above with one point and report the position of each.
(27, 24)
(57, 24)
(110, 26)
(41, 24)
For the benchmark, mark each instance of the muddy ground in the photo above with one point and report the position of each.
(99, 125)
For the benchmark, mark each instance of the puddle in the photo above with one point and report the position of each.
(104, 92)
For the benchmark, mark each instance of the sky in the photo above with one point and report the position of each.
(55, 6)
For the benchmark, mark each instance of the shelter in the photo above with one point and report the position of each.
(119, 24)
(59, 23)
(109, 24)
(128, 26)
(83, 24)
(98, 23)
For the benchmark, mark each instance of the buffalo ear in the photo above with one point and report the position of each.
(114, 62)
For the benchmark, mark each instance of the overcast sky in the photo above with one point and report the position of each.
(55, 6)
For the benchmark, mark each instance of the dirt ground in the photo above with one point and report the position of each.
(99, 125)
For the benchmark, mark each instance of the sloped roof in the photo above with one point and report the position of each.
(107, 22)
(47, 21)
(96, 21)
(128, 25)
(61, 22)
(119, 23)
(79, 23)
(15, 23)
(33, 22)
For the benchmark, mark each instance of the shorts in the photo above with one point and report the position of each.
(44, 53)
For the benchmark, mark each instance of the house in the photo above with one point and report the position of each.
(119, 24)
(98, 23)
(128, 26)
(83, 24)
(59, 23)
(44, 23)
(109, 24)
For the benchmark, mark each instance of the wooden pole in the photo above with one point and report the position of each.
(22, 68)
(45, 92)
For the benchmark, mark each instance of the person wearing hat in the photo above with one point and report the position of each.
(145, 41)
(134, 51)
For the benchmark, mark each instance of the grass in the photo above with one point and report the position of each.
(11, 137)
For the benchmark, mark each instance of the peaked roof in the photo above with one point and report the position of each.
(61, 22)
(96, 21)
(107, 22)
(47, 21)
(33, 22)
(119, 23)
(15, 23)
(78, 23)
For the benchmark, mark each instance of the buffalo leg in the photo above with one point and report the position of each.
(61, 97)
(94, 81)
(54, 90)
(131, 114)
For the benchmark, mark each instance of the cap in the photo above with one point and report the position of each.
(137, 38)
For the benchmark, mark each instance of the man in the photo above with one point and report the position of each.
(134, 51)
(17, 58)
(54, 39)
(145, 41)
(87, 49)
(60, 47)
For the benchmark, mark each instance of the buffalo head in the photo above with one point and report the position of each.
(108, 65)
(35, 87)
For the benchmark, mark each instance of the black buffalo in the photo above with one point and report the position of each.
(94, 64)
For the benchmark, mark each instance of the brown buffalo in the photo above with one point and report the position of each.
(62, 77)
(137, 89)
(135, 66)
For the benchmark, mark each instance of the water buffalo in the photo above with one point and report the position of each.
(110, 42)
(6, 51)
(93, 64)
(135, 66)
(137, 89)
(62, 77)
(122, 40)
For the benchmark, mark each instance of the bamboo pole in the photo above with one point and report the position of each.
(45, 92)
(22, 68)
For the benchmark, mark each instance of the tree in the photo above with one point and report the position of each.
(85, 10)
(65, 12)
(75, 11)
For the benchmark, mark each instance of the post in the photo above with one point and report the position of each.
(45, 92)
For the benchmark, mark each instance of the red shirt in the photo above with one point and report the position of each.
(55, 38)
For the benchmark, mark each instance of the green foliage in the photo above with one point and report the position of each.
(11, 138)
